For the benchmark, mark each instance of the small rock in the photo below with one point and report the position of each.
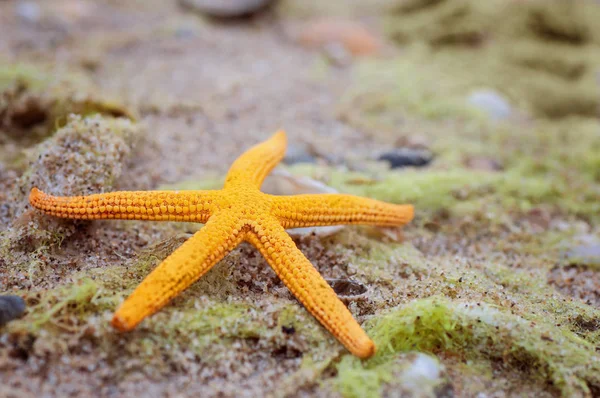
(417, 375)
(298, 154)
(351, 35)
(404, 157)
(185, 33)
(226, 8)
(491, 103)
(425, 369)
(57, 14)
(288, 329)
(585, 252)
(11, 307)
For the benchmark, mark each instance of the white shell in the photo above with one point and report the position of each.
(282, 182)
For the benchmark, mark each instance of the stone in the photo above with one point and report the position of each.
(28, 11)
(11, 307)
(406, 157)
(493, 104)
(226, 8)
(298, 154)
(584, 251)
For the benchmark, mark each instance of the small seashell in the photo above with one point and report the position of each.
(347, 290)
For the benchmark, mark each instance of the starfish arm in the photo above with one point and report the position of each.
(177, 272)
(253, 166)
(334, 209)
(309, 287)
(195, 206)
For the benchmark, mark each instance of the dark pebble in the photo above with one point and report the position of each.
(11, 307)
(288, 329)
(225, 8)
(405, 157)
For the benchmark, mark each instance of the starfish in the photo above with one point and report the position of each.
(238, 212)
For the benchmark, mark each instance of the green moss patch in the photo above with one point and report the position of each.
(542, 55)
(439, 325)
(34, 101)
(460, 192)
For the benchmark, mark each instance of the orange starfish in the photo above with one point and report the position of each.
(238, 212)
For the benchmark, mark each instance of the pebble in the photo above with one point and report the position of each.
(493, 104)
(424, 370)
(417, 375)
(57, 14)
(226, 8)
(585, 252)
(28, 11)
(405, 157)
(11, 307)
(298, 154)
(330, 33)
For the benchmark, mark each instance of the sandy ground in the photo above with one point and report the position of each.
(488, 237)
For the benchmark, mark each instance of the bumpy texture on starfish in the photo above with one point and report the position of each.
(239, 212)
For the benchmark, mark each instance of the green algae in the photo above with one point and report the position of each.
(383, 88)
(526, 291)
(315, 8)
(440, 325)
(440, 21)
(525, 185)
(219, 323)
(458, 191)
(295, 319)
(416, 85)
(62, 307)
(77, 297)
(380, 262)
(28, 75)
(35, 102)
(520, 293)
(495, 44)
